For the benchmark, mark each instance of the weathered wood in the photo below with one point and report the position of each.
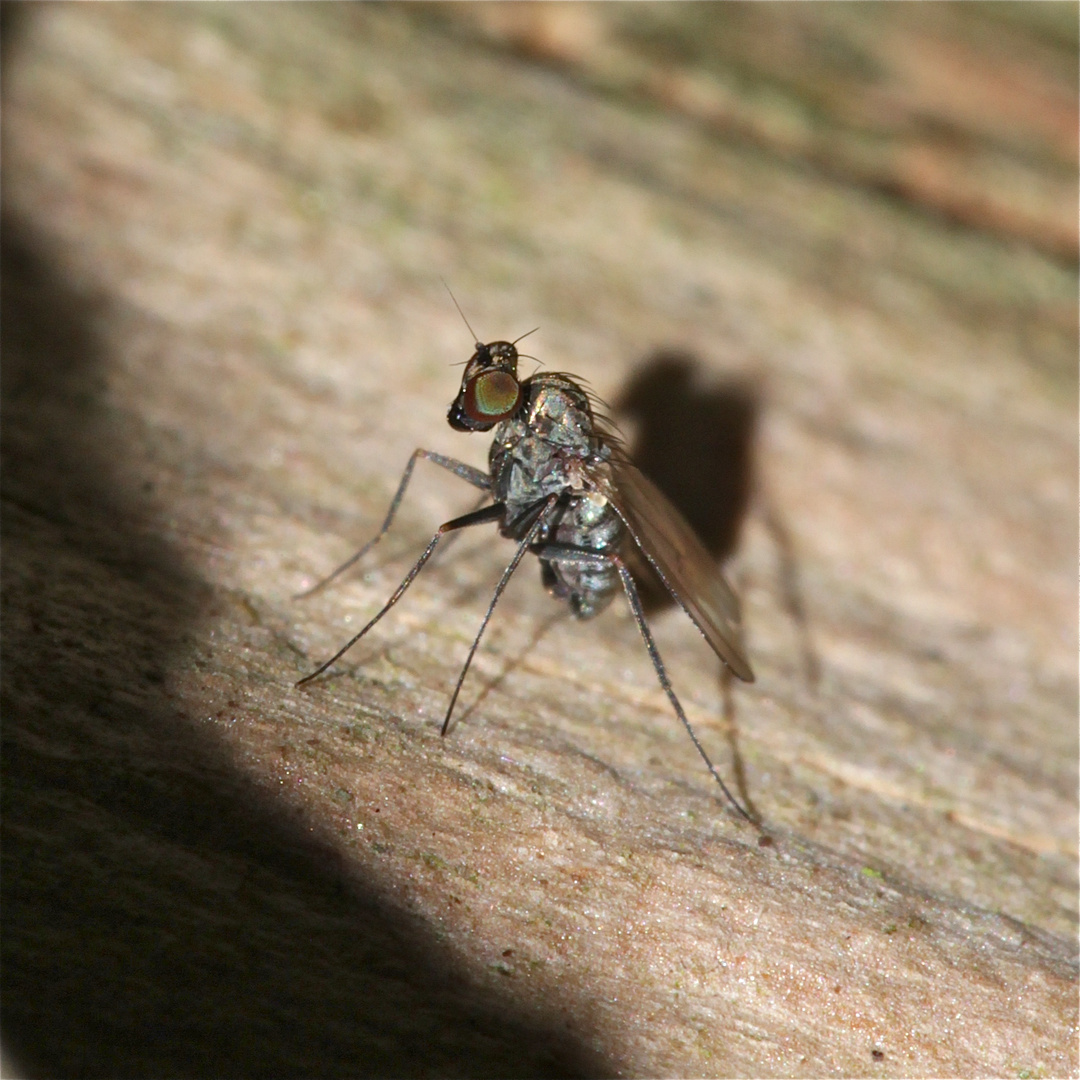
(223, 334)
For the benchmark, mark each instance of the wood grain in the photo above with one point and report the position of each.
(822, 261)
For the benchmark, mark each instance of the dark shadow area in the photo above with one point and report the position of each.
(161, 916)
(12, 17)
(695, 442)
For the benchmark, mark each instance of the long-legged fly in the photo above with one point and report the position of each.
(562, 486)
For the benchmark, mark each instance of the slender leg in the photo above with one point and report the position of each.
(452, 537)
(661, 673)
(477, 517)
(567, 553)
(458, 468)
(503, 582)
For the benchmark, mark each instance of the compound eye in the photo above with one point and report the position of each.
(492, 396)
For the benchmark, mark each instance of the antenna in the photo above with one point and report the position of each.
(462, 314)
(525, 335)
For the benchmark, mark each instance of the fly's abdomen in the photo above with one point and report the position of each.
(589, 523)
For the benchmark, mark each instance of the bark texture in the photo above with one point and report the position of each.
(820, 260)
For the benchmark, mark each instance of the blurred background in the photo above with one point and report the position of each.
(820, 260)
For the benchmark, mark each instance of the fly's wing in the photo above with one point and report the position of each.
(678, 556)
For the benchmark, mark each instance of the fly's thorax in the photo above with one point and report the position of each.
(558, 412)
(526, 469)
(550, 447)
(555, 411)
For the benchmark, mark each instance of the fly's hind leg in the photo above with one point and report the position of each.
(568, 553)
(466, 472)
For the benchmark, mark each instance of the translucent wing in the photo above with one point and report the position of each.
(678, 556)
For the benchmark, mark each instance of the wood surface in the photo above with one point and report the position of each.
(822, 262)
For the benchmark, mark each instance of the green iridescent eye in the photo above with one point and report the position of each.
(492, 396)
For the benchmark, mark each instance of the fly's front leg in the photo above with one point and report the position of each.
(466, 472)
(594, 560)
(477, 517)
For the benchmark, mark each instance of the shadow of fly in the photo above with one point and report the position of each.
(564, 489)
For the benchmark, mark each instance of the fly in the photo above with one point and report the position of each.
(563, 488)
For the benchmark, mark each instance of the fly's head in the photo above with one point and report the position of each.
(490, 391)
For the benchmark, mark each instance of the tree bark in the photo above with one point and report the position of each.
(821, 262)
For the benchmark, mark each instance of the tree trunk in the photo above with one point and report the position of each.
(821, 262)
